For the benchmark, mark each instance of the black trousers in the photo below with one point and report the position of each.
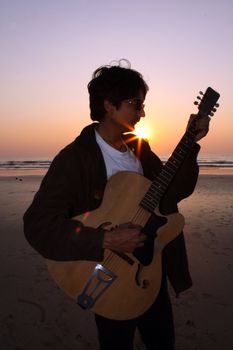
(156, 327)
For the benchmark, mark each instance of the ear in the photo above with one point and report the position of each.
(109, 107)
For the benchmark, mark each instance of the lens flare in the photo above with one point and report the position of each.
(141, 132)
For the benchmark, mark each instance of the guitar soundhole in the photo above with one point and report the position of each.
(107, 226)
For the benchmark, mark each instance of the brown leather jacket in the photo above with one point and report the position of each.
(75, 184)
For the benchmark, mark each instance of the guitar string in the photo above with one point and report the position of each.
(136, 217)
(111, 256)
(112, 260)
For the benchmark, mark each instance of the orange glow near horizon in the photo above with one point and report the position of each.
(44, 137)
(48, 56)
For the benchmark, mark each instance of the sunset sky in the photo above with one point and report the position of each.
(50, 48)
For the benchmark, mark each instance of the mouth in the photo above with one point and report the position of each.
(131, 125)
(137, 120)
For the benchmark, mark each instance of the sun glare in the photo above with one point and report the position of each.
(141, 132)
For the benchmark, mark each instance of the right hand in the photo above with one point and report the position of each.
(126, 237)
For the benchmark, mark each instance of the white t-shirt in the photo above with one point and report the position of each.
(115, 160)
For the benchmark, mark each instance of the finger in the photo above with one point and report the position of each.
(140, 244)
(142, 236)
(192, 116)
(126, 225)
(202, 125)
(140, 239)
(136, 236)
(200, 135)
(132, 225)
(204, 119)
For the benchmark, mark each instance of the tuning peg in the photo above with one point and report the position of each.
(217, 105)
(211, 114)
(214, 109)
(196, 103)
(198, 97)
(201, 93)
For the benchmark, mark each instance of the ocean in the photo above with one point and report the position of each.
(218, 161)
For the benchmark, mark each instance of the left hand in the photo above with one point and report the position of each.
(201, 125)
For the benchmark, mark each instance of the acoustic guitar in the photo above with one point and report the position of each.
(123, 285)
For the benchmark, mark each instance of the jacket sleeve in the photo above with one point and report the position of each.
(48, 223)
(184, 182)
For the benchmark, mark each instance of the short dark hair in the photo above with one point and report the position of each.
(115, 84)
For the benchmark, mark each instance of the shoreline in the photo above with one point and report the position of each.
(42, 171)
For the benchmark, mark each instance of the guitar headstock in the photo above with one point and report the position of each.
(207, 104)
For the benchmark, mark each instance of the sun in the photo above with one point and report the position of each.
(141, 132)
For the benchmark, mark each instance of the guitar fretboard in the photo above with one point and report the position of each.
(169, 170)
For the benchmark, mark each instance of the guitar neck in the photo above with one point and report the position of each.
(207, 107)
(169, 170)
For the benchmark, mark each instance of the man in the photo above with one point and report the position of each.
(75, 184)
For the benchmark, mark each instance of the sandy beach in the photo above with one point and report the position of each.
(35, 314)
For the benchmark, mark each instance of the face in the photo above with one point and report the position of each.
(128, 114)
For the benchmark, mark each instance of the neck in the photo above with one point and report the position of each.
(111, 135)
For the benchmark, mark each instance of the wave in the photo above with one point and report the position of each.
(212, 161)
(217, 163)
(25, 164)
(221, 161)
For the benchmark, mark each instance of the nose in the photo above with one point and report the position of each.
(142, 113)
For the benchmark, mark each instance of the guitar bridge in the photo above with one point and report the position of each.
(99, 281)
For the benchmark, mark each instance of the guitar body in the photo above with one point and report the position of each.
(123, 286)
(135, 286)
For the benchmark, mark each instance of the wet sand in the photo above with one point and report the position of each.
(35, 314)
